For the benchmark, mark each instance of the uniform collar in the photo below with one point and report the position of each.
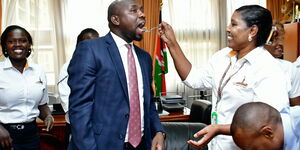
(250, 57)
(233, 59)
(232, 53)
(8, 64)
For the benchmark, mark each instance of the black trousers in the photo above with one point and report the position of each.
(67, 134)
(25, 136)
(141, 146)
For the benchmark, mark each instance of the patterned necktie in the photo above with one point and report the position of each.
(134, 130)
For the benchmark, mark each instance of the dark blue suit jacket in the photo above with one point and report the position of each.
(99, 103)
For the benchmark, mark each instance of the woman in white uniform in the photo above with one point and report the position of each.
(240, 73)
(275, 47)
(23, 93)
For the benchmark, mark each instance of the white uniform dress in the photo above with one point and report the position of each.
(293, 74)
(255, 77)
(64, 89)
(21, 93)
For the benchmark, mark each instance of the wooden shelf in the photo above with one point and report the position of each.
(291, 41)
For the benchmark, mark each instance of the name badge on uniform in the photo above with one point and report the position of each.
(214, 118)
(242, 84)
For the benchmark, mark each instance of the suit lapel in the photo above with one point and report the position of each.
(117, 61)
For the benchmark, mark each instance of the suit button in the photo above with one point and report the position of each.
(121, 136)
(127, 116)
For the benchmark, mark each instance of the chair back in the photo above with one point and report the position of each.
(200, 111)
(178, 133)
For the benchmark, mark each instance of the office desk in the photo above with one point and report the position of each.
(59, 120)
(176, 116)
(56, 138)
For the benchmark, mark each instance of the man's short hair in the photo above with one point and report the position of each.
(252, 116)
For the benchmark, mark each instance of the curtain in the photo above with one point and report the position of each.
(74, 16)
(200, 30)
(232, 5)
(275, 7)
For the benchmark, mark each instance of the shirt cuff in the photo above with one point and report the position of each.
(189, 79)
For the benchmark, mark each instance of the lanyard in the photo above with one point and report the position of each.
(222, 85)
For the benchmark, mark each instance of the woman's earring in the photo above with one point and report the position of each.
(249, 38)
(5, 52)
(29, 51)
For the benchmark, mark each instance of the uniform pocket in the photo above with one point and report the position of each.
(3, 99)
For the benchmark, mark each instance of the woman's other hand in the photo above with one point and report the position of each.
(49, 122)
(5, 139)
(208, 133)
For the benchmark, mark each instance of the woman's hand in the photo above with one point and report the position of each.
(5, 139)
(167, 34)
(182, 64)
(49, 122)
(45, 115)
(208, 133)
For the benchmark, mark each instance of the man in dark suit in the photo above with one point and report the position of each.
(111, 100)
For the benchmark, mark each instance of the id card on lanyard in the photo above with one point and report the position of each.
(214, 114)
(214, 118)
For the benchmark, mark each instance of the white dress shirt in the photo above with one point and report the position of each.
(21, 93)
(64, 89)
(123, 52)
(259, 79)
(293, 75)
(291, 124)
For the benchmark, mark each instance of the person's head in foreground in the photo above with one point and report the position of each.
(257, 126)
(127, 19)
(249, 27)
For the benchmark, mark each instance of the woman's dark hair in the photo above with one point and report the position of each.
(84, 32)
(257, 15)
(5, 35)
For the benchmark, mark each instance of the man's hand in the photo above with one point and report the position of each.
(5, 139)
(208, 133)
(49, 122)
(158, 142)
